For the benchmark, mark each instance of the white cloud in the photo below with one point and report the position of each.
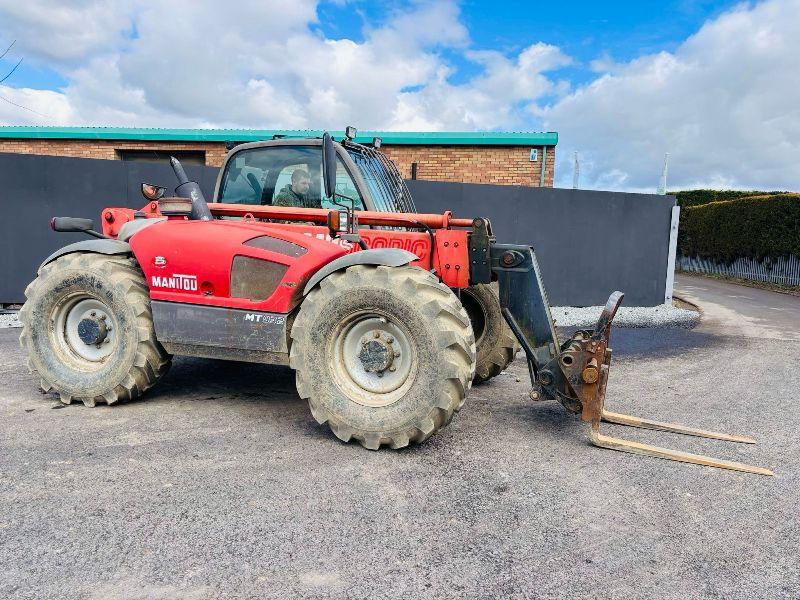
(724, 104)
(269, 69)
(29, 105)
(487, 101)
(64, 33)
(260, 65)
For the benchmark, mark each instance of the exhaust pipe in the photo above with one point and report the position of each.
(191, 190)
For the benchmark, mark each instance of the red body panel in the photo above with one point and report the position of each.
(190, 261)
(114, 218)
(450, 257)
(195, 257)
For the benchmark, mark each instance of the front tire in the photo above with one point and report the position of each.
(88, 330)
(384, 355)
(495, 342)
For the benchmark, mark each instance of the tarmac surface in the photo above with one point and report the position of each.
(738, 310)
(220, 484)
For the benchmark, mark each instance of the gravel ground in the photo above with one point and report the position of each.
(9, 320)
(220, 485)
(565, 316)
(664, 315)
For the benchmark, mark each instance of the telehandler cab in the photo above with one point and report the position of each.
(366, 299)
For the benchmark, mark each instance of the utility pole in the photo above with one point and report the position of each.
(662, 188)
(576, 172)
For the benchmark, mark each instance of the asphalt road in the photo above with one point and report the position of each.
(738, 310)
(220, 484)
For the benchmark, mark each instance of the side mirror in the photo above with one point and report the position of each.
(153, 192)
(71, 224)
(328, 165)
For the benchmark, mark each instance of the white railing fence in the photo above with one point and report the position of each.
(785, 270)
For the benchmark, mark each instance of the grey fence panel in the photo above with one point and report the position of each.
(35, 188)
(162, 174)
(588, 243)
(784, 270)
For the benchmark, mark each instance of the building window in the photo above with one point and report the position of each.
(187, 157)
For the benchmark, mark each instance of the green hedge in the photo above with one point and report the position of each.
(697, 197)
(752, 227)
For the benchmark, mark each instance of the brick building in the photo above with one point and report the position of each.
(499, 158)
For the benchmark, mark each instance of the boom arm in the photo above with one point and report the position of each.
(576, 372)
(568, 373)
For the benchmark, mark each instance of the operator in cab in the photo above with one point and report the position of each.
(296, 192)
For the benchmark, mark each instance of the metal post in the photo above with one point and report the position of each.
(662, 187)
(576, 172)
(673, 248)
(544, 166)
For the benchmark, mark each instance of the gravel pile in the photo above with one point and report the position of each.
(567, 316)
(9, 320)
(664, 315)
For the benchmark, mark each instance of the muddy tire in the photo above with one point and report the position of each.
(384, 355)
(88, 330)
(495, 342)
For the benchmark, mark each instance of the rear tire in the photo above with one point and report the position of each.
(384, 355)
(88, 330)
(495, 342)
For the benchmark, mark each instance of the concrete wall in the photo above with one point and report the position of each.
(588, 243)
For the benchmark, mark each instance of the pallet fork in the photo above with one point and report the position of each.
(576, 372)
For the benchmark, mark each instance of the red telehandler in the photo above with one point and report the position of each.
(367, 306)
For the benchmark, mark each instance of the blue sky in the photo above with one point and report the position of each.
(622, 83)
(33, 75)
(583, 30)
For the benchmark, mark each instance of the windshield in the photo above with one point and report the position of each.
(283, 175)
(387, 187)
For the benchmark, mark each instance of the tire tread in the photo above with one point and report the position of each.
(454, 337)
(151, 362)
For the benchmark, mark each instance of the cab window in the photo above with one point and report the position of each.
(252, 176)
(346, 187)
(282, 176)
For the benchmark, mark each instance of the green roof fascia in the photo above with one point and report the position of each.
(436, 138)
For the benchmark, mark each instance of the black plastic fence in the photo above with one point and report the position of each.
(588, 243)
(35, 188)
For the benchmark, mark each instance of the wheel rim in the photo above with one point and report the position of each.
(86, 328)
(374, 359)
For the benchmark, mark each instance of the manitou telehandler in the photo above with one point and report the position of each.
(371, 303)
